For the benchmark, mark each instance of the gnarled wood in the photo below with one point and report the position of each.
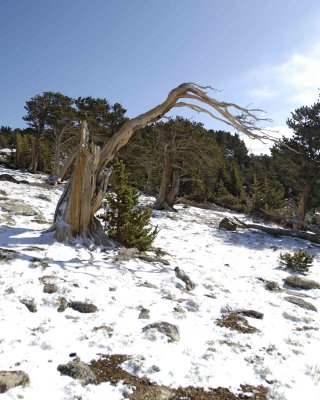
(84, 193)
(280, 232)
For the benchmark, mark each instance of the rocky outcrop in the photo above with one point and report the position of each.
(298, 282)
(11, 379)
(301, 303)
(227, 224)
(77, 369)
(170, 330)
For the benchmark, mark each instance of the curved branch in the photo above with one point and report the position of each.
(242, 119)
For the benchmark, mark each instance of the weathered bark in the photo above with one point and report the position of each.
(303, 202)
(74, 216)
(280, 232)
(290, 220)
(84, 193)
(34, 154)
(163, 202)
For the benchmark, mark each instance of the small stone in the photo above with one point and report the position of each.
(107, 330)
(272, 286)
(179, 309)
(125, 254)
(72, 354)
(11, 379)
(77, 369)
(83, 307)
(251, 314)
(301, 303)
(227, 224)
(63, 304)
(144, 314)
(50, 288)
(170, 330)
(30, 304)
(296, 281)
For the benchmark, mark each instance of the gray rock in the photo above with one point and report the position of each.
(11, 379)
(227, 224)
(125, 254)
(10, 178)
(19, 208)
(301, 303)
(181, 274)
(77, 369)
(82, 307)
(296, 281)
(144, 314)
(170, 330)
(63, 304)
(50, 288)
(251, 313)
(105, 329)
(30, 304)
(272, 286)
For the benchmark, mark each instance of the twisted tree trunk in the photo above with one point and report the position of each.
(75, 212)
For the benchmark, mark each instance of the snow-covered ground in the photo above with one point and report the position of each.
(229, 269)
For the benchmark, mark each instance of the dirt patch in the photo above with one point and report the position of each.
(107, 369)
(237, 323)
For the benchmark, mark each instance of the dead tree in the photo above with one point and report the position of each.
(82, 197)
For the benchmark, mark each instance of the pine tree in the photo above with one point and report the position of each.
(124, 221)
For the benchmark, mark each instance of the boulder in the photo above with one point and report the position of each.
(227, 224)
(77, 369)
(301, 303)
(30, 304)
(11, 379)
(82, 307)
(298, 282)
(170, 330)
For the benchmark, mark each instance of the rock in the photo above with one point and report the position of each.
(179, 309)
(296, 281)
(11, 379)
(83, 307)
(50, 288)
(181, 274)
(73, 355)
(19, 208)
(125, 254)
(63, 304)
(227, 224)
(272, 286)
(10, 178)
(30, 304)
(147, 285)
(251, 313)
(77, 369)
(191, 305)
(301, 303)
(144, 314)
(170, 330)
(106, 330)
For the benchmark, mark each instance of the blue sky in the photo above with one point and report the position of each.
(263, 53)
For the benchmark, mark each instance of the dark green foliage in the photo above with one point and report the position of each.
(300, 261)
(124, 221)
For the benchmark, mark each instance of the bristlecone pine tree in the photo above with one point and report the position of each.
(86, 188)
(125, 222)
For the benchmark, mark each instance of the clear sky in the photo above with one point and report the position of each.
(265, 53)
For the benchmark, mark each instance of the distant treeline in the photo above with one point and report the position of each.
(210, 166)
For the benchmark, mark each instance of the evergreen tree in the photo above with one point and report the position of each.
(124, 221)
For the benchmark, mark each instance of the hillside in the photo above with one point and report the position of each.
(235, 328)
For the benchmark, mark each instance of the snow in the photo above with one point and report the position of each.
(227, 266)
